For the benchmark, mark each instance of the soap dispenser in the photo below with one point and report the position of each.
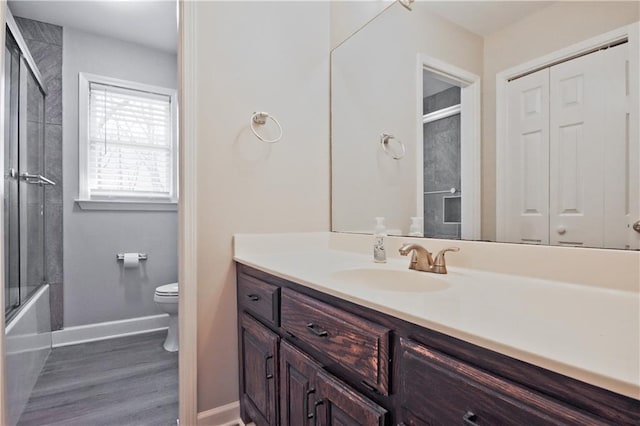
(380, 231)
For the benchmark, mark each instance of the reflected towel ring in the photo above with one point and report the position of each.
(261, 118)
(384, 142)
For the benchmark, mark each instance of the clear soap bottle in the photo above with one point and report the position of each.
(380, 232)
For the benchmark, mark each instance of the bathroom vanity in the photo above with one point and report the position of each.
(309, 356)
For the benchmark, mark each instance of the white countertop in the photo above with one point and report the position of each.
(585, 332)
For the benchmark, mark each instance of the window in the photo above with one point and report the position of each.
(128, 147)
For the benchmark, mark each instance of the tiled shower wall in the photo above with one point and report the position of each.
(441, 165)
(45, 44)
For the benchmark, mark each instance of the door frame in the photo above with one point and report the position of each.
(187, 214)
(631, 33)
(470, 138)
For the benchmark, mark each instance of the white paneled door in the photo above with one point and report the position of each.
(569, 153)
(577, 146)
(527, 176)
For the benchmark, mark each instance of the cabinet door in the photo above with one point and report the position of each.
(258, 372)
(339, 405)
(523, 200)
(297, 386)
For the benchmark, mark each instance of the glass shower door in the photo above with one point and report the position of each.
(24, 181)
(31, 186)
(11, 182)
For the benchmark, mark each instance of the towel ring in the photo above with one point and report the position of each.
(384, 142)
(261, 119)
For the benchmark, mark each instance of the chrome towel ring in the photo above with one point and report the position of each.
(384, 142)
(261, 119)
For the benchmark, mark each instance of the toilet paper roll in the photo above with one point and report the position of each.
(131, 260)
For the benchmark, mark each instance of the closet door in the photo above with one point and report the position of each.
(526, 195)
(620, 163)
(587, 148)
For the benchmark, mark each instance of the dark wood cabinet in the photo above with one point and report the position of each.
(437, 389)
(359, 345)
(297, 386)
(308, 359)
(337, 404)
(259, 372)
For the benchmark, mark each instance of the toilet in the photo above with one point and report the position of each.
(166, 297)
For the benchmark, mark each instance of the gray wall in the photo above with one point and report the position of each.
(45, 44)
(441, 165)
(97, 289)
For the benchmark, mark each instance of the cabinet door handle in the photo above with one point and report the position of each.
(469, 419)
(312, 328)
(306, 403)
(315, 409)
(253, 297)
(266, 366)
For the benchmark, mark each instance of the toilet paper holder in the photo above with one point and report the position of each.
(141, 256)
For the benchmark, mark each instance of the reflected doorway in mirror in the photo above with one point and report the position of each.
(448, 150)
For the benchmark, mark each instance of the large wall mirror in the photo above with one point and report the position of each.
(499, 121)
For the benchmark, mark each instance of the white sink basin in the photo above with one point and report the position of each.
(394, 281)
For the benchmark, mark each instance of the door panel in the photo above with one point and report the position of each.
(338, 404)
(526, 195)
(620, 197)
(577, 148)
(297, 386)
(11, 202)
(31, 159)
(259, 354)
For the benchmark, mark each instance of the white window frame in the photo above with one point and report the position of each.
(121, 203)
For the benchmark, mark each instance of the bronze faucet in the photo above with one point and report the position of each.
(422, 260)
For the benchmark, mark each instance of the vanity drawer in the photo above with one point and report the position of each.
(352, 342)
(438, 389)
(259, 298)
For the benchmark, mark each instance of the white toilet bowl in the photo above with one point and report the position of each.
(166, 297)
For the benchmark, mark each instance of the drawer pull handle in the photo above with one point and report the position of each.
(266, 366)
(315, 409)
(469, 419)
(253, 297)
(306, 403)
(320, 333)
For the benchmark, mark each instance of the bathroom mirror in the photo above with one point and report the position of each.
(499, 121)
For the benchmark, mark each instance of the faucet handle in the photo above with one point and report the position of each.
(439, 264)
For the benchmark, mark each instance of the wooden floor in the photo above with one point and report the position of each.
(126, 381)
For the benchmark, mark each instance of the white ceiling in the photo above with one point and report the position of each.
(152, 23)
(485, 17)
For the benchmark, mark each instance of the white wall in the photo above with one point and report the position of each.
(95, 287)
(270, 56)
(552, 28)
(375, 77)
(348, 17)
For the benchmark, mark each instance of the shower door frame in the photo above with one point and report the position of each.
(3, 399)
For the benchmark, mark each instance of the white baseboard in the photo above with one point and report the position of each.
(108, 330)
(225, 415)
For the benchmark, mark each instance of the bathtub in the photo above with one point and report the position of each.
(27, 346)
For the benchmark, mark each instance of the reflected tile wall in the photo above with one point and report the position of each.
(441, 164)
(45, 44)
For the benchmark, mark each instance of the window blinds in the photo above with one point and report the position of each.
(130, 152)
